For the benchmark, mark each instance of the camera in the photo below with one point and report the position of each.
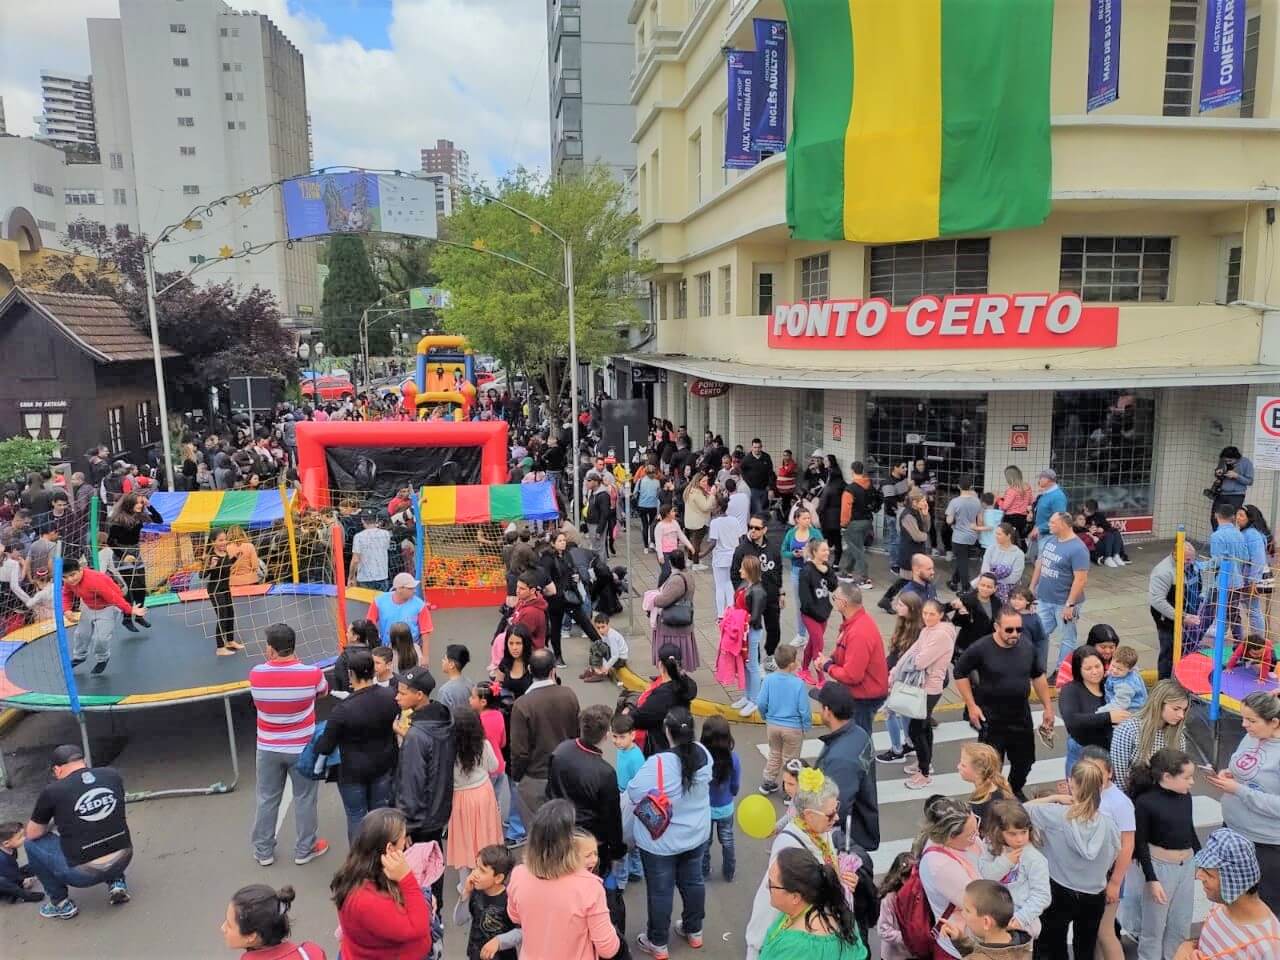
(1225, 465)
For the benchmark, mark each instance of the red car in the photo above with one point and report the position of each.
(331, 388)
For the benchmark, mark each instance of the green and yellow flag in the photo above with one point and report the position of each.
(915, 119)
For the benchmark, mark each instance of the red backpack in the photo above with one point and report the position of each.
(912, 913)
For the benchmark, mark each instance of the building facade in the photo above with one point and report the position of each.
(1159, 254)
(194, 102)
(67, 120)
(590, 109)
(445, 158)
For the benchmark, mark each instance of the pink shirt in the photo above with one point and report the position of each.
(562, 919)
(1016, 500)
(495, 731)
(931, 653)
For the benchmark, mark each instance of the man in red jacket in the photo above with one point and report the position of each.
(101, 606)
(531, 608)
(858, 660)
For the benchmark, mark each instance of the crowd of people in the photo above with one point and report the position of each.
(488, 784)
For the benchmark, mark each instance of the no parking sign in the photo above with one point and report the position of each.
(1266, 434)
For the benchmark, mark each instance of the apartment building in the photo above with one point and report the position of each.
(67, 120)
(1161, 247)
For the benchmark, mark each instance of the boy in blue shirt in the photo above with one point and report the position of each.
(991, 517)
(784, 704)
(630, 760)
(1124, 687)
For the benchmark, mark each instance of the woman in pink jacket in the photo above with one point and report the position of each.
(930, 654)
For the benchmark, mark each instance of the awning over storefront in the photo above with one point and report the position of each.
(762, 375)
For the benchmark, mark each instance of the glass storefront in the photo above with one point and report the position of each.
(1102, 445)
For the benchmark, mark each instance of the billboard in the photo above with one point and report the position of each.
(359, 202)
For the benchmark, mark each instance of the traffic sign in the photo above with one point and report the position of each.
(1266, 434)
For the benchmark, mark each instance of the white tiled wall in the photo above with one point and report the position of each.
(1004, 409)
(697, 419)
(850, 407)
(759, 412)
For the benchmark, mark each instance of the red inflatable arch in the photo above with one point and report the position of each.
(314, 438)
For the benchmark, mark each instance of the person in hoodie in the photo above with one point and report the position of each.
(423, 786)
(757, 543)
(983, 930)
(531, 608)
(1081, 845)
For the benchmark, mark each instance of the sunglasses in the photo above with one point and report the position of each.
(1011, 630)
(755, 527)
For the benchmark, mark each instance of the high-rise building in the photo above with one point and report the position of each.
(592, 119)
(3, 129)
(68, 119)
(446, 186)
(444, 157)
(196, 102)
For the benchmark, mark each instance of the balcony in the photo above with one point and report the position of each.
(567, 21)
(568, 84)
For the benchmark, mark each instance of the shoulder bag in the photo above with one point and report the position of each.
(653, 812)
(907, 697)
(680, 613)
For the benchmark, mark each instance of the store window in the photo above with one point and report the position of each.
(115, 428)
(1102, 445)
(900, 272)
(815, 277)
(1180, 57)
(1116, 269)
(809, 426)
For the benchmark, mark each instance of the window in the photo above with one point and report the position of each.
(764, 294)
(122, 231)
(572, 24)
(182, 91)
(226, 67)
(235, 31)
(117, 161)
(120, 196)
(222, 32)
(86, 231)
(186, 151)
(196, 258)
(228, 96)
(181, 62)
(1233, 255)
(42, 188)
(1180, 57)
(1109, 269)
(1102, 447)
(177, 28)
(1252, 33)
(809, 420)
(46, 225)
(900, 272)
(726, 290)
(88, 198)
(238, 67)
(948, 431)
(704, 294)
(814, 277)
(186, 121)
(115, 429)
(695, 167)
(144, 422)
(682, 300)
(190, 190)
(240, 96)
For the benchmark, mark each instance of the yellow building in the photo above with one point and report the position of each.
(1162, 222)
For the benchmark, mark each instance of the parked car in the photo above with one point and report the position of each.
(330, 388)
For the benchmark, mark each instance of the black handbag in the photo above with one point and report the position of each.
(680, 613)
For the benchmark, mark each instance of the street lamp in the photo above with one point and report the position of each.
(305, 351)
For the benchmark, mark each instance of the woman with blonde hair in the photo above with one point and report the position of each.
(980, 765)
(245, 571)
(1081, 846)
(905, 632)
(1160, 723)
(948, 850)
(1016, 502)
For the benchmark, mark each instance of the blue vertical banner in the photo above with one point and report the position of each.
(1104, 53)
(769, 107)
(738, 153)
(1222, 63)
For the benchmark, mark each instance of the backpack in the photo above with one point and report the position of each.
(912, 914)
(875, 499)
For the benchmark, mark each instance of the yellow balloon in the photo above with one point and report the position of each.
(756, 816)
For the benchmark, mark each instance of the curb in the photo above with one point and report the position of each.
(10, 719)
(631, 681)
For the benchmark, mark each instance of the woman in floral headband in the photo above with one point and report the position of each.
(817, 803)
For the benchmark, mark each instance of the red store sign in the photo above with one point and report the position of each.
(989, 321)
(708, 389)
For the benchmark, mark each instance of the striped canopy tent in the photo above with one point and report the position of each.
(484, 503)
(208, 509)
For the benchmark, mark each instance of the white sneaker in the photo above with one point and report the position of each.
(1123, 562)
(739, 703)
(770, 665)
(800, 641)
(747, 709)
(1111, 562)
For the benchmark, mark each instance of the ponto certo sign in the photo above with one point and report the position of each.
(989, 321)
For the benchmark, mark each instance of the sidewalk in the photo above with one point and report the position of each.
(1114, 596)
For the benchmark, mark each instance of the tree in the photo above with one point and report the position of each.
(219, 331)
(22, 455)
(349, 290)
(522, 318)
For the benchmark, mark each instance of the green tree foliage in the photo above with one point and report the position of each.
(350, 288)
(22, 455)
(520, 317)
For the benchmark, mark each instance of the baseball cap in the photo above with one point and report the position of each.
(1235, 860)
(835, 695)
(403, 580)
(67, 753)
(418, 678)
(1049, 474)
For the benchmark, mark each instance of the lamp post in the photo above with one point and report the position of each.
(305, 352)
(149, 271)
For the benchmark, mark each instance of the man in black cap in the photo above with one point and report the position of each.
(423, 788)
(92, 843)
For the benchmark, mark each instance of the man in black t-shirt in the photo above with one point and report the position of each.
(1006, 665)
(92, 844)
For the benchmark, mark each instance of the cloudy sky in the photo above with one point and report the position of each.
(384, 77)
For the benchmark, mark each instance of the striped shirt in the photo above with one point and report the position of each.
(284, 693)
(1222, 938)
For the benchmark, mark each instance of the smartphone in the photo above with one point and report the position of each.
(1206, 768)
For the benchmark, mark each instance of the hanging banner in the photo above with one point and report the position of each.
(359, 202)
(1222, 65)
(738, 153)
(769, 110)
(1104, 54)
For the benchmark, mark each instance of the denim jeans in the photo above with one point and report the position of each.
(864, 712)
(50, 866)
(1050, 615)
(627, 867)
(897, 727)
(1074, 750)
(855, 548)
(754, 679)
(273, 768)
(380, 585)
(359, 798)
(663, 875)
(759, 500)
(721, 829)
(891, 536)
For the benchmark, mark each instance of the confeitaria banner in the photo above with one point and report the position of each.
(1104, 53)
(989, 321)
(1222, 67)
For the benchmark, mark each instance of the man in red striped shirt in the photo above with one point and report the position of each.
(101, 605)
(284, 692)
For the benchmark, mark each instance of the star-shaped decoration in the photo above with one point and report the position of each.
(191, 224)
(535, 229)
(225, 251)
(245, 199)
(479, 245)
